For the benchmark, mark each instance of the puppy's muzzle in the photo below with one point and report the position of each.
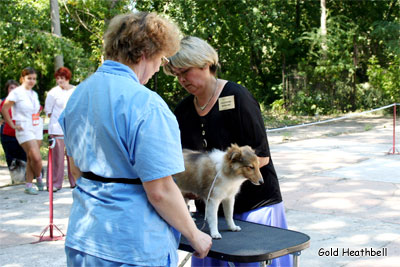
(259, 182)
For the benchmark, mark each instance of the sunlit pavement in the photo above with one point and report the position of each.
(343, 190)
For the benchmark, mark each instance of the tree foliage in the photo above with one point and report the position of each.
(26, 39)
(272, 47)
(363, 50)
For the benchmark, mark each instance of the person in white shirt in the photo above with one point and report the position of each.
(28, 125)
(55, 103)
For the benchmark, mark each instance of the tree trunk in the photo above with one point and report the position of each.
(284, 84)
(56, 30)
(323, 26)
(298, 15)
(354, 78)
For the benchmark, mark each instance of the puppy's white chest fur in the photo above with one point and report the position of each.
(225, 184)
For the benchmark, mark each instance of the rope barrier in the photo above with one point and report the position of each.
(330, 120)
(393, 150)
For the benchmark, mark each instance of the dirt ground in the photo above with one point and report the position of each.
(338, 184)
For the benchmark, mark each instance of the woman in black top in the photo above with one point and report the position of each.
(216, 114)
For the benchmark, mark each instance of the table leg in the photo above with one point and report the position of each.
(296, 259)
(265, 263)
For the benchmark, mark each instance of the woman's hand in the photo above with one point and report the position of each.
(18, 128)
(167, 199)
(263, 161)
(201, 243)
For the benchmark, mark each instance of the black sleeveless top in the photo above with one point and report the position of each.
(241, 124)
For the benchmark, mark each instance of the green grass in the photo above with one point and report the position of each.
(44, 148)
(277, 120)
(2, 157)
(368, 127)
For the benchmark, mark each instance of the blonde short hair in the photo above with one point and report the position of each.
(131, 35)
(194, 52)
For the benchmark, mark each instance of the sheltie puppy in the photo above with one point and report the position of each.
(216, 178)
(17, 171)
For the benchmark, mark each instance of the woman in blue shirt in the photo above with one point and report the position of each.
(124, 144)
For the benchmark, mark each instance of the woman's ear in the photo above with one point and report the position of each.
(213, 68)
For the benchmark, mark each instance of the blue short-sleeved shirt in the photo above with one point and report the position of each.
(117, 128)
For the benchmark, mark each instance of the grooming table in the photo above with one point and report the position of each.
(254, 243)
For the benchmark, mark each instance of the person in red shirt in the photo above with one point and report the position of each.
(12, 149)
(25, 105)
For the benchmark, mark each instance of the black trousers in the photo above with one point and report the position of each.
(12, 149)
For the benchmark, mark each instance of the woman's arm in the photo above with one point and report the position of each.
(167, 199)
(75, 171)
(49, 103)
(4, 111)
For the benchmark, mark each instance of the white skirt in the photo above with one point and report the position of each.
(29, 132)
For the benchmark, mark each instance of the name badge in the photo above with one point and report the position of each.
(226, 102)
(35, 119)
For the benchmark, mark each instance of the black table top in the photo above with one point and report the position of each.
(254, 243)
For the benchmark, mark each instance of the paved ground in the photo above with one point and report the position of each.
(338, 182)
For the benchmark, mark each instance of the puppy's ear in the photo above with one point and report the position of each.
(249, 148)
(234, 153)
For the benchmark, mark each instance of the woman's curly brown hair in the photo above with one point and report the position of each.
(131, 35)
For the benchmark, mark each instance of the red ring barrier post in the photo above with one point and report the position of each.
(393, 149)
(394, 128)
(51, 226)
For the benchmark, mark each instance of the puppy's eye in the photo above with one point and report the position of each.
(250, 167)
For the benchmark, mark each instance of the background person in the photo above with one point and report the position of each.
(25, 106)
(12, 149)
(125, 140)
(216, 114)
(55, 103)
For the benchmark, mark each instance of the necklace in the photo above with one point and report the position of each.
(206, 104)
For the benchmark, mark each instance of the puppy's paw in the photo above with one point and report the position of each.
(216, 235)
(235, 228)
